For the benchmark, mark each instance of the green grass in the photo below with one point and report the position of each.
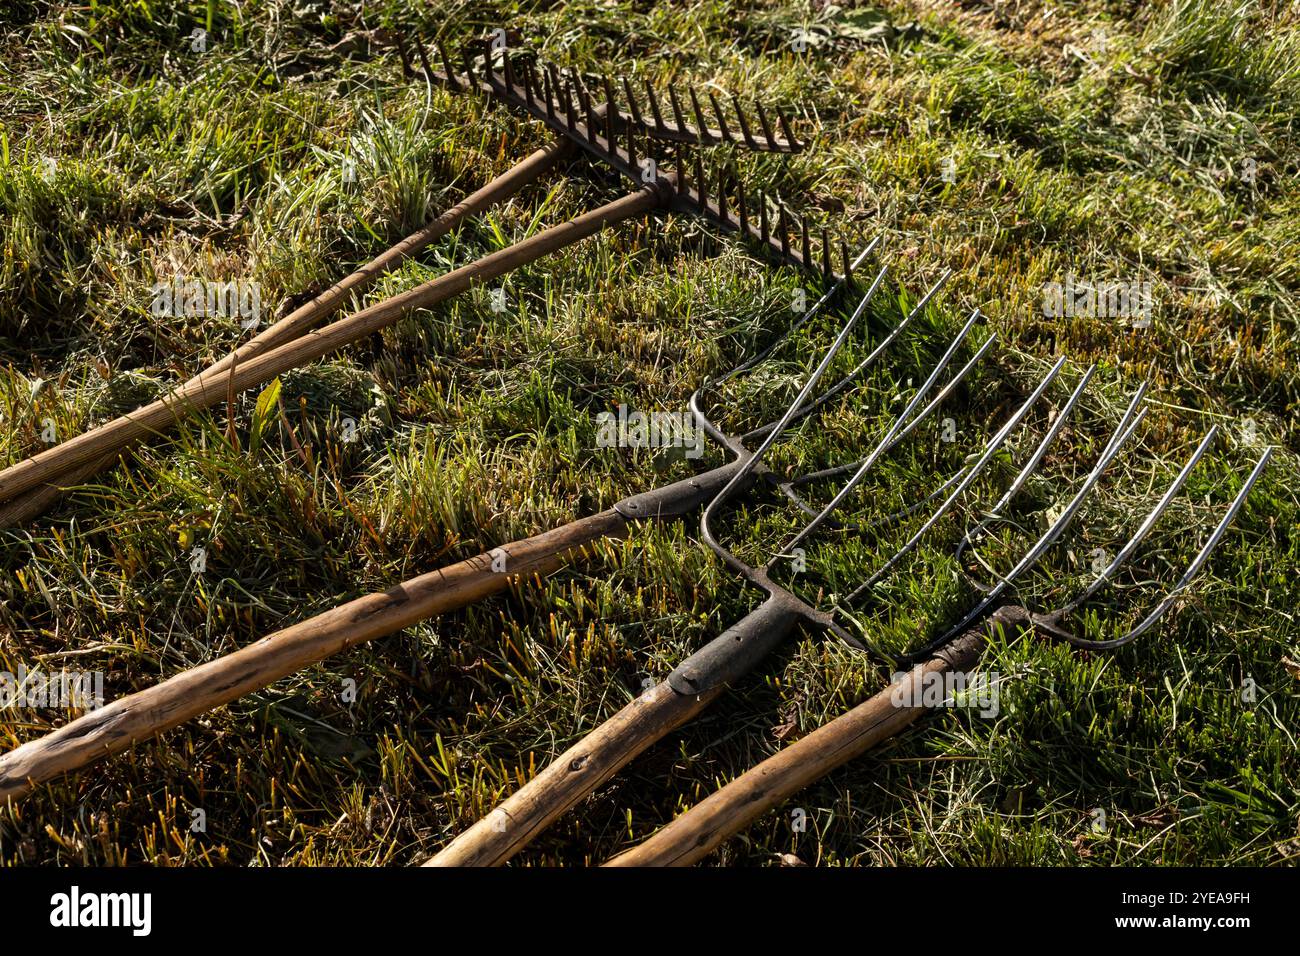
(126, 158)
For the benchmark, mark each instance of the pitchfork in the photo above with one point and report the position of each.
(615, 135)
(700, 830)
(140, 716)
(702, 677)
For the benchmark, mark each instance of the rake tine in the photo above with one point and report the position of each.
(584, 99)
(526, 84)
(766, 124)
(844, 256)
(702, 184)
(446, 65)
(467, 60)
(883, 445)
(974, 470)
(549, 92)
(722, 120)
(613, 117)
(678, 117)
(570, 117)
(743, 205)
(404, 57)
(783, 224)
(1193, 569)
(1049, 537)
(424, 60)
(699, 113)
(507, 72)
(785, 128)
(633, 108)
(654, 107)
(744, 124)
(805, 243)
(722, 199)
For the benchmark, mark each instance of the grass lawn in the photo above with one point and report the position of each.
(1019, 144)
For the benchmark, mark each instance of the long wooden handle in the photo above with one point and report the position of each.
(700, 830)
(571, 776)
(140, 716)
(146, 421)
(34, 502)
(695, 684)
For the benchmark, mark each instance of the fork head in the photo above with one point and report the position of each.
(1049, 623)
(1052, 623)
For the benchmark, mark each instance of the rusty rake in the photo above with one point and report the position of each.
(702, 677)
(566, 103)
(623, 135)
(609, 134)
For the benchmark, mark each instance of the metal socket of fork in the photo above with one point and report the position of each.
(681, 497)
(737, 650)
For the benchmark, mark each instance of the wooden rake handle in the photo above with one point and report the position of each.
(36, 500)
(700, 830)
(91, 446)
(142, 715)
(599, 755)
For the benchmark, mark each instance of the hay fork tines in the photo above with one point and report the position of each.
(703, 676)
(695, 833)
(1050, 622)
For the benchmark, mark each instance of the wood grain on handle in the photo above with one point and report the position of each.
(700, 830)
(571, 776)
(36, 500)
(142, 715)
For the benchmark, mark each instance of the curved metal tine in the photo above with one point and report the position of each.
(742, 474)
(788, 487)
(1121, 434)
(862, 366)
(694, 404)
(847, 469)
(968, 539)
(881, 447)
(973, 472)
(1144, 529)
(1192, 570)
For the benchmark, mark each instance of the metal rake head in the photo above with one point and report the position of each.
(951, 491)
(636, 146)
(564, 101)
